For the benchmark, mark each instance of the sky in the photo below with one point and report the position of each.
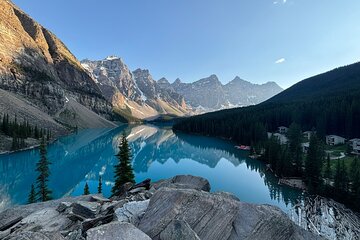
(258, 40)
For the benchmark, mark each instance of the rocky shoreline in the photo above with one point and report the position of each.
(178, 208)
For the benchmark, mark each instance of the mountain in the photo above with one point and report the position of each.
(38, 70)
(340, 81)
(329, 103)
(240, 93)
(236, 93)
(135, 95)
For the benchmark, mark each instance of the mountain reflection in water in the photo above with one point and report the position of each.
(157, 153)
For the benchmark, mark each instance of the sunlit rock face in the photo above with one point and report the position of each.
(135, 93)
(38, 67)
(31, 56)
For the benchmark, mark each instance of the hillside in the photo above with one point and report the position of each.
(329, 103)
(342, 80)
(42, 84)
(35, 64)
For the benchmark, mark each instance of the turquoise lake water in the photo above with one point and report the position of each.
(157, 153)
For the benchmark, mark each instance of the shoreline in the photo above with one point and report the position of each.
(49, 142)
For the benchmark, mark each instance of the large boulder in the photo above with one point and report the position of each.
(85, 209)
(12, 216)
(177, 230)
(132, 212)
(116, 231)
(27, 235)
(48, 220)
(184, 182)
(215, 216)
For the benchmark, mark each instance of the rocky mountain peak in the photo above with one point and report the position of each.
(112, 57)
(211, 80)
(37, 65)
(163, 81)
(136, 93)
(177, 81)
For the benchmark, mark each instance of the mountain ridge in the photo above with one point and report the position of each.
(134, 94)
(235, 93)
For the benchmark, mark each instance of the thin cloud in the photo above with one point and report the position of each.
(280, 2)
(281, 60)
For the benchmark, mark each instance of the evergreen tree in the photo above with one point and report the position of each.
(15, 143)
(32, 195)
(341, 179)
(355, 177)
(36, 132)
(327, 171)
(295, 136)
(100, 185)
(86, 189)
(123, 170)
(313, 164)
(42, 167)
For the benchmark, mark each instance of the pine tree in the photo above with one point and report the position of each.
(295, 137)
(42, 167)
(36, 132)
(341, 179)
(313, 163)
(123, 170)
(355, 177)
(327, 171)
(32, 195)
(86, 189)
(15, 143)
(100, 185)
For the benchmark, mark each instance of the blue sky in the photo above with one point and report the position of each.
(259, 40)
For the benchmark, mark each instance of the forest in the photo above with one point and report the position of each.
(19, 131)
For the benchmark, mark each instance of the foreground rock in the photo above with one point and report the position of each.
(176, 208)
(117, 231)
(216, 216)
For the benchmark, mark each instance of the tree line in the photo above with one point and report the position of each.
(336, 114)
(19, 131)
(288, 160)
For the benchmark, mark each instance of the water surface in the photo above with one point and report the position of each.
(157, 153)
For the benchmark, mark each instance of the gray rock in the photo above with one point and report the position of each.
(216, 216)
(75, 235)
(132, 212)
(184, 182)
(116, 231)
(99, 198)
(63, 206)
(137, 190)
(27, 235)
(109, 207)
(25, 210)
(95, 222)
(85, 209)
(178, 230)
(121, 193)
(48, 220)
(209, 215)
(265, 222)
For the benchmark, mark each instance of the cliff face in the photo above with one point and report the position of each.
(36, 64)
(136, 93)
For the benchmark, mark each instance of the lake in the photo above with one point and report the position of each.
(157, 153)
